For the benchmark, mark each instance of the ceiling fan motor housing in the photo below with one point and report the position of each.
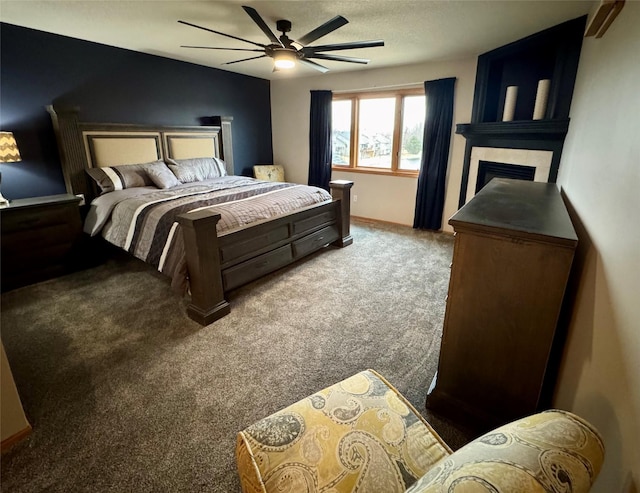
(284, 26)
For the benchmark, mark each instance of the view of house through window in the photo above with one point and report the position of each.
(341, 132)
(375, 132)
(385, 128)
(412, 132)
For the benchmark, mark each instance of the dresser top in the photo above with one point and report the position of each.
(518, 208)
(40, 201)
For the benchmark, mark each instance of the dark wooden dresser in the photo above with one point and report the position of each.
(513, 250)
(38, 239)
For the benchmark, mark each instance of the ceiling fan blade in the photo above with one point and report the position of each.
(323, 30)
(221, 34)
(253, 13)
(308, 50)
(336, 58)
(245, 59)
(314, 65)
(214, 48)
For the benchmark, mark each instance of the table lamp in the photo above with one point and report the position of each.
(9, 153)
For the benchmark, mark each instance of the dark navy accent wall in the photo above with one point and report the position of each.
(119, 86)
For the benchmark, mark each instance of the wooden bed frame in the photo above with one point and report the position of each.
(216, 264)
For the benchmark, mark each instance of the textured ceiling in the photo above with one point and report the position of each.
(413, 31)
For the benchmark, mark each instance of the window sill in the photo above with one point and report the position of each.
(376, 171)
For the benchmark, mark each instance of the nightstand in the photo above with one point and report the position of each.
(39, 237)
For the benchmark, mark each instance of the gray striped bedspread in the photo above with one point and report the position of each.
(144, 223)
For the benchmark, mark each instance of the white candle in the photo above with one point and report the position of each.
(510, 103)
(542, 96)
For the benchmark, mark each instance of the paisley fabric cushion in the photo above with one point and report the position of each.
(554, 451)
(358, 435)
(362, 436)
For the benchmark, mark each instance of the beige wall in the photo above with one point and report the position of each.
(600, 175)
(379, 197)
(13, 419)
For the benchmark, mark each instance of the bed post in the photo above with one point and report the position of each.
(226, 145)
(73, 159)
(203, 261)
(341, 190)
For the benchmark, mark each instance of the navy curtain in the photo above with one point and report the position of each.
(320, 139)
(435, 153)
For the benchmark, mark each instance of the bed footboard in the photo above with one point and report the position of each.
(341, 190)
(203, 261)
(217, 264)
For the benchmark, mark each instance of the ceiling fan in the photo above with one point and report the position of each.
(286, 51)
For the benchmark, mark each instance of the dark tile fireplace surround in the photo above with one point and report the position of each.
(488, 170)
(551, 54)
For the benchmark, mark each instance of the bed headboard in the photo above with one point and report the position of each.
(85, 145)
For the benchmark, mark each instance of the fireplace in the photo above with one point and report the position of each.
(487, 170)
(549, 55)
(528, 164)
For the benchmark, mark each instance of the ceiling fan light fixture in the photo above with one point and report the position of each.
(284, 59)
(286, 51)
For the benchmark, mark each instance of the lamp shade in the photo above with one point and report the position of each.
(9, 152)
(284, 59)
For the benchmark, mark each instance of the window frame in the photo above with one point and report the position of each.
(355, 97)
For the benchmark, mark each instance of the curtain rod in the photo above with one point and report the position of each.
(412, 85)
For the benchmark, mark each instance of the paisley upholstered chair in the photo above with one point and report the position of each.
(361, 435)
(268, 172)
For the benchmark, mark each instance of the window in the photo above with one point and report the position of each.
(341, 132)
(378, 132)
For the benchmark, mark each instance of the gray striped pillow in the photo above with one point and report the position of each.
(161, 175)
(110, 178)
(197, 169)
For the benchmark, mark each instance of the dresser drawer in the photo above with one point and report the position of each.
(35, 218)
(34, 240)
(39, 239)
(15, 258)
(313, 221)
(253, 243)
(263, 264)
(315, 241)
(51, 256)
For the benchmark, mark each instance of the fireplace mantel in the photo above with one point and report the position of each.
(551, 55)
(535, 135)
(526, 129)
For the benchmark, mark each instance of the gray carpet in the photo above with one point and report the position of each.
(126, 393)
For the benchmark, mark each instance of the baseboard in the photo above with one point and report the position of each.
(378, 221)
(381, 221)
(9, 442)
